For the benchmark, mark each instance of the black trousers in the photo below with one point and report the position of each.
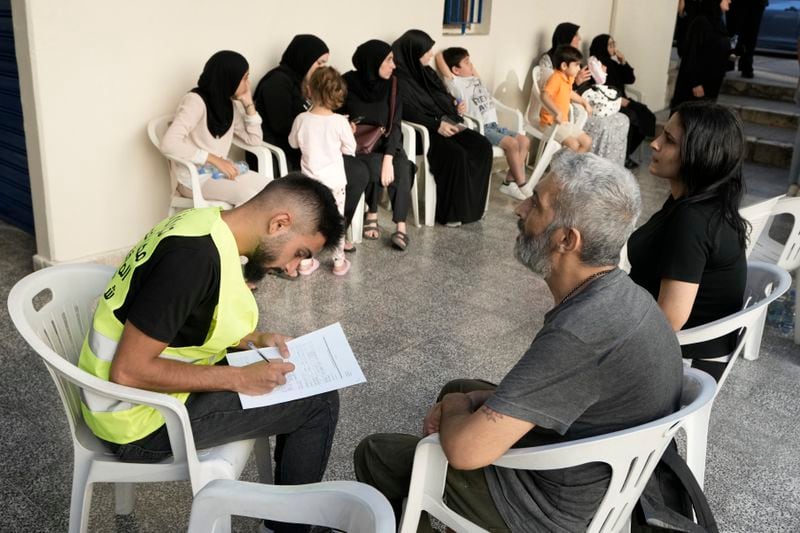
(643, 124)
(357, 179)
(744, 20)
(399, 190)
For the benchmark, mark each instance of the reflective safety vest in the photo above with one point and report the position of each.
(235, 316)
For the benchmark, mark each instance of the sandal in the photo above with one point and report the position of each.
(342, 270)
(400, 240)
(350, 250)
(372, 231)
(307, 270)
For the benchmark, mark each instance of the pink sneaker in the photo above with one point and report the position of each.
(306, 269)
(342, 269)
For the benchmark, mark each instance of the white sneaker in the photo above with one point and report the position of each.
(512, 190)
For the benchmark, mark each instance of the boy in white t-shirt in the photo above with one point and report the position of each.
(464, 84)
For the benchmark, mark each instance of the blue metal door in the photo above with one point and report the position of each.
(15, 186)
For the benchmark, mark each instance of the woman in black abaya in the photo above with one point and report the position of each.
(461, 160)
(705, 52)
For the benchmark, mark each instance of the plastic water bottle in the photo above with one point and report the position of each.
(217, 174)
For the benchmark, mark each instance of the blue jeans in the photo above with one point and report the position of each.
(304, 433)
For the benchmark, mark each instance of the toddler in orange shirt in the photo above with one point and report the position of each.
(556, 97)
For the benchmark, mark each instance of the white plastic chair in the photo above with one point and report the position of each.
(410, 148)
(424, 169)
(548, 146)
(757, 215)
(787, 255)
(765, 283)
(632, 455)
(345, 505)
(55, 329)
(156, 129)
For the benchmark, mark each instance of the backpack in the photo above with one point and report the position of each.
(669, 499)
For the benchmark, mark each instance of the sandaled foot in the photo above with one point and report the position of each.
(400, 240)
(372, 231)
(308, 267)
(349, 247)
(340, 268)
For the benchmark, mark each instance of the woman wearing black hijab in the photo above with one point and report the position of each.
(705, 52)
(461, 160)
(618, 73)
(369, 95)
(282, 94)
(205, 123)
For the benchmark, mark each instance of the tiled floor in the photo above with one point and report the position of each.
(456, 304)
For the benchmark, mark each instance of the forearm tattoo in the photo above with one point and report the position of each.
(491, 414)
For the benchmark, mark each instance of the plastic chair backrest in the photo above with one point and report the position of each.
(343, 505)
(632, 453)
(156, 129)
(535, 102)
(757, 215)
(785, 255)
(55, 328)
(765, 283)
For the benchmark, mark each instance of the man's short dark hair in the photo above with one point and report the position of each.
(315, 203)
(566, 54)
(453, 56)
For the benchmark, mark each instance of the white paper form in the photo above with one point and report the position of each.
(323, 362)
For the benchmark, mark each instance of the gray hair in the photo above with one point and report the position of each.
(598, 198)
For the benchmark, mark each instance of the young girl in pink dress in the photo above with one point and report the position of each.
(323, 136)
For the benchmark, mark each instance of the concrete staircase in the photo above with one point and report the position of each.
(769, 116)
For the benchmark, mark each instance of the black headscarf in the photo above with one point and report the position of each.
(563, 34)
(713, 11)
(365, 82)
(301, 54)
(216, 86)
(599, 48)
(408, 49)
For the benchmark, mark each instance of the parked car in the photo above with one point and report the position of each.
(780, 26)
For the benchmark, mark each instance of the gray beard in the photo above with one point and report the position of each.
(534, 251)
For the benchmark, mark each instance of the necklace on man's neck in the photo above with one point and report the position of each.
(584, 282)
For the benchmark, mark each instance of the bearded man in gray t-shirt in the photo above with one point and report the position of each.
(605, 359)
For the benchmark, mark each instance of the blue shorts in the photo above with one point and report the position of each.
(495, 133)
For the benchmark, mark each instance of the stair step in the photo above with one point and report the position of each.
(776, 90)
(765, 145)
(765, 112)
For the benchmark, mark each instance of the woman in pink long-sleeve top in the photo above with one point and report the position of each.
(202, 131)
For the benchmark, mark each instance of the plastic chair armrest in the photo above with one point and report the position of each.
(263, 154)
(194, 177)
(423, 132)
(409, 140)
(473, 123)
(634, 92)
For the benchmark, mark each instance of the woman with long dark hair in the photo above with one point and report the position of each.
(371, 95)
(207, 119)
(705, 52)
(460, 159)
(690, 255)
(619, 73)
(282, 94)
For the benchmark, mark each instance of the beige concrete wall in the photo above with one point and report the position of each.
(643, 31)
(95, 71)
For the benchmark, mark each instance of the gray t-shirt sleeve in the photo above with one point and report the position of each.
(552, 384)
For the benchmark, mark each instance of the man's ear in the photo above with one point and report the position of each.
(568, 240)
(279, 224)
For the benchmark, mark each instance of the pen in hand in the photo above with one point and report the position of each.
(253, 347)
